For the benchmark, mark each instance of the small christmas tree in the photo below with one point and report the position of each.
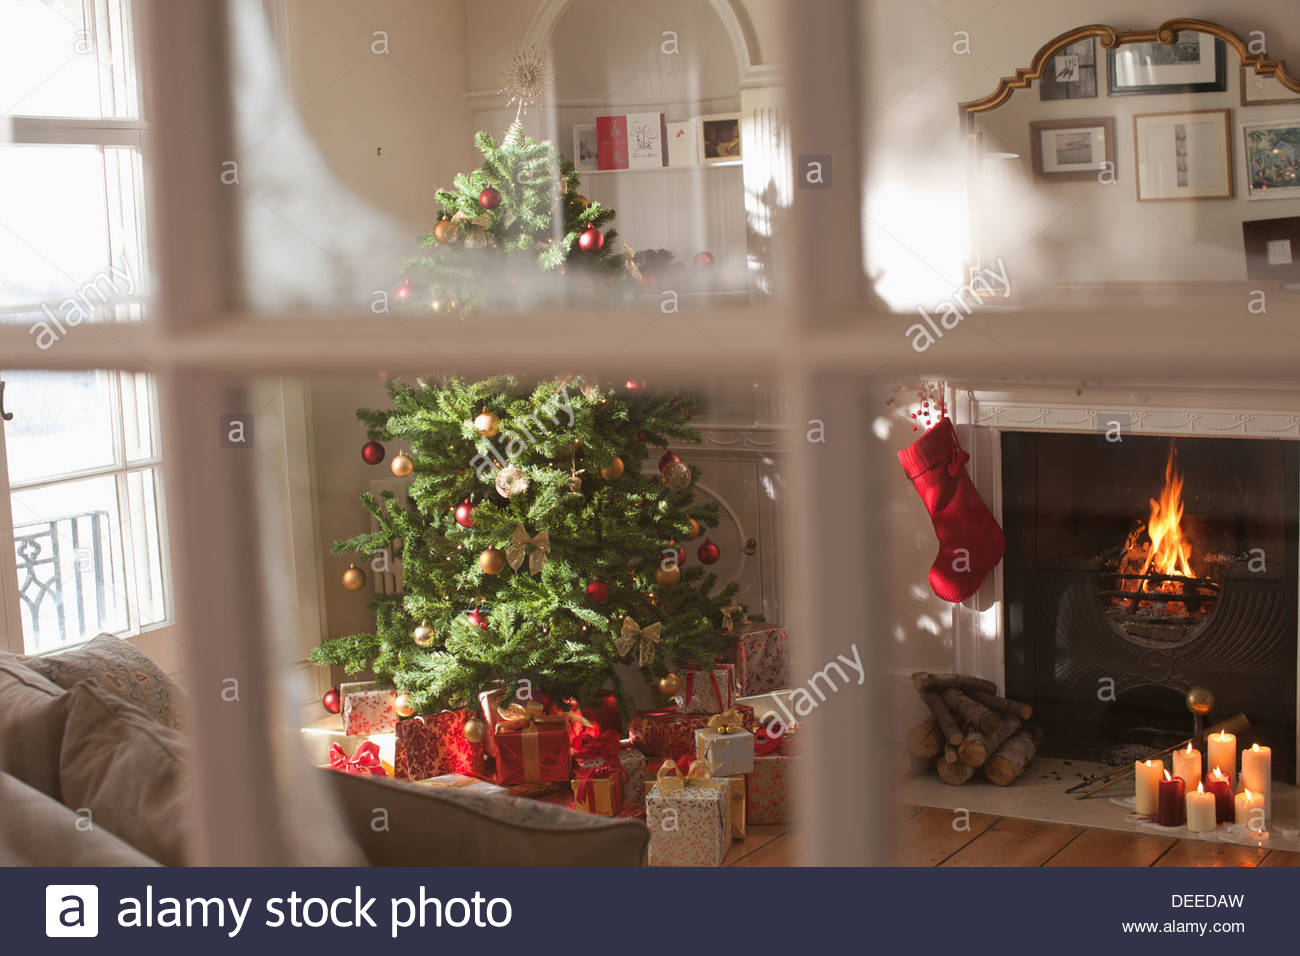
(531, 543)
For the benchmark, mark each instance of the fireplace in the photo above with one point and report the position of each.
(1136, 569)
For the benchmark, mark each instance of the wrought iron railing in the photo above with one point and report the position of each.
(67, 580)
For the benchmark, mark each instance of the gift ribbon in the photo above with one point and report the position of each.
(364, 761)
(598, 759)
(729, 613)
(649, 637)
(723, 700)
(536, 547)
(528, 722)
(728, 722)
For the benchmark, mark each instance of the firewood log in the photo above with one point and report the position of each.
(970, 711)
(943, 717)
(1009, 708)
(924, 681)
(924, 740)
(1012, 758)
(978, 747)
(950, 754)
(954, 772)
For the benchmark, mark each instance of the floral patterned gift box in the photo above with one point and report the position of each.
(633, 762)
(368, 709)
(434, 745)
(707, 690)
(762, 660)
(689, 817)
(670, 733)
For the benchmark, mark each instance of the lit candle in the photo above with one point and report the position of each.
(1187, 764)
(1172, 809)
(1257, 775)
(1147, 774)
(1217, 784)
(1249, 811)
(1223, 753)
(1200, 810)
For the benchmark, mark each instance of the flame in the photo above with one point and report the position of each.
(1189, 746)
(1169, 549)
(1249, 796)
(1255, 747)
(1219, 774)
(1167, 775)
(1200, 787)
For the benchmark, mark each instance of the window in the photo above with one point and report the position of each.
(83, 492)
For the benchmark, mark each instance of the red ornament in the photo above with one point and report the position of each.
(704, 258)
(477, 618)
(489, 198)
(598, 591)
(635, 384)
(372, 453)
(709, 552)
(465, 514)
(591, 240)
(667, 459)
(331, 701)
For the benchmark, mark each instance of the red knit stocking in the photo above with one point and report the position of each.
(970, 541)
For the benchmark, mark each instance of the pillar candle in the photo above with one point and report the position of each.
(1172, 808)
(1187, 764)
(1217, 784)
(1222, 753)
(1200, 810)
(1147, 774)
(1249, 811)
(1257, 774)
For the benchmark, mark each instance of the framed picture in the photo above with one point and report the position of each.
(1272, 249)
(681, 143)
(586, 154)
(1072, 74)
(719, 139)
(1194, 63)
(1183, 155)
(1260, 90)
(1072, 148)
(1272, 159)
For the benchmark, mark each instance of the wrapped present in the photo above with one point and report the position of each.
(531, 747)
(460, 781)
(725, 746)
(598, 774)
(633, 763)
(738, 790)
(670, 733)
(433, 745)
(770, 797)
(762, 660)
(689, 817)
(370, 712)
(318, 742)
(708, 690)
(365, 761)
(598, 717)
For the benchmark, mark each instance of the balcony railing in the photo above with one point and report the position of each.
(68, 580)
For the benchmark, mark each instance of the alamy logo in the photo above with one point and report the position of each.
(71, 910)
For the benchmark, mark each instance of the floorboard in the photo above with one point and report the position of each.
(931, 836)
(1014, 843)
(1111, 848)
(756, 837)
(781, 851)
(1281, 858)
(1201, 853)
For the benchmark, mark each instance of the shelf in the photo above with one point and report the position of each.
(730, 164)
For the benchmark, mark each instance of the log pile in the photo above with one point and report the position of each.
(972, 728)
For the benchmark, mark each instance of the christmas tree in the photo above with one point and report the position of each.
(531, 543)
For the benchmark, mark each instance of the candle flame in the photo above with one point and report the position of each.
(1167, 776)
(1200, 787)
(1155, 763)
(1218, 774)
(1255, 747)
(1223, 735)
(1189, 746)
(1249, 796)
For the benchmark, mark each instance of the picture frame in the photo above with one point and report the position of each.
(1258, 89)
(681, 143)
(1272, 159)
(717, 139)
(1072, 74)
(1193, 63)
(1072, 149)
(1185, 154)
(1272, 249)
(585, 149)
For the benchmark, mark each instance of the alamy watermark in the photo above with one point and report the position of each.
(108, 286)
(962, 303)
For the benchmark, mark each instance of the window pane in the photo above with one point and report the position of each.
(63, 423)
(67, 539)
(138, 414)
(145, 546)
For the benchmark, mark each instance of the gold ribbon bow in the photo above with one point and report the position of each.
(481, 221)
(669, 778)
(537, 548)
(729, 614)
(515, 715)
(728, 722)
(649, 637)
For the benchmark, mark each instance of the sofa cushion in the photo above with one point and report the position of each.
(126, 768)
(120, 668)
(37, 830)
(32, 714)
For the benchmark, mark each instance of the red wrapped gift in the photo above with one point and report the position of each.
(769, 796)
(671, 733)
(435, 745)
(598, 774)
(601, 717)
(364, 761)
(708, 690)
(762, 660)
(531, 747)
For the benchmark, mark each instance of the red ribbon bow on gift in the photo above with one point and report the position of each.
(597, 757)
(766, 744)
(364, 761)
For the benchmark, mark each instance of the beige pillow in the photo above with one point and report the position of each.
(32, 714)
(128, 770)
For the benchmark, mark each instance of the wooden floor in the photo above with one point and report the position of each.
(928, 838)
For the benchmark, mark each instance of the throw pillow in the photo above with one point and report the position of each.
(32, 714)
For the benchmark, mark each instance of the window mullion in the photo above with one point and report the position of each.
(10, 602)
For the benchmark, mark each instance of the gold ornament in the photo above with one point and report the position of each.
(1200, 700)
(487, 424)
(492, 561)
(422, 635)
(575, 481)
(474, 730)
(666, 577)
(613, 470)
(725, 723)
(695, 530)
(403, 706)
(402, 465)
(444, 231)
(669, 684)
(536, 547)
(511, 481)
(676, 476)
(354, 579)
(633, 633)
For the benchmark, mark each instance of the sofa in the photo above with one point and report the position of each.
(94, 772)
